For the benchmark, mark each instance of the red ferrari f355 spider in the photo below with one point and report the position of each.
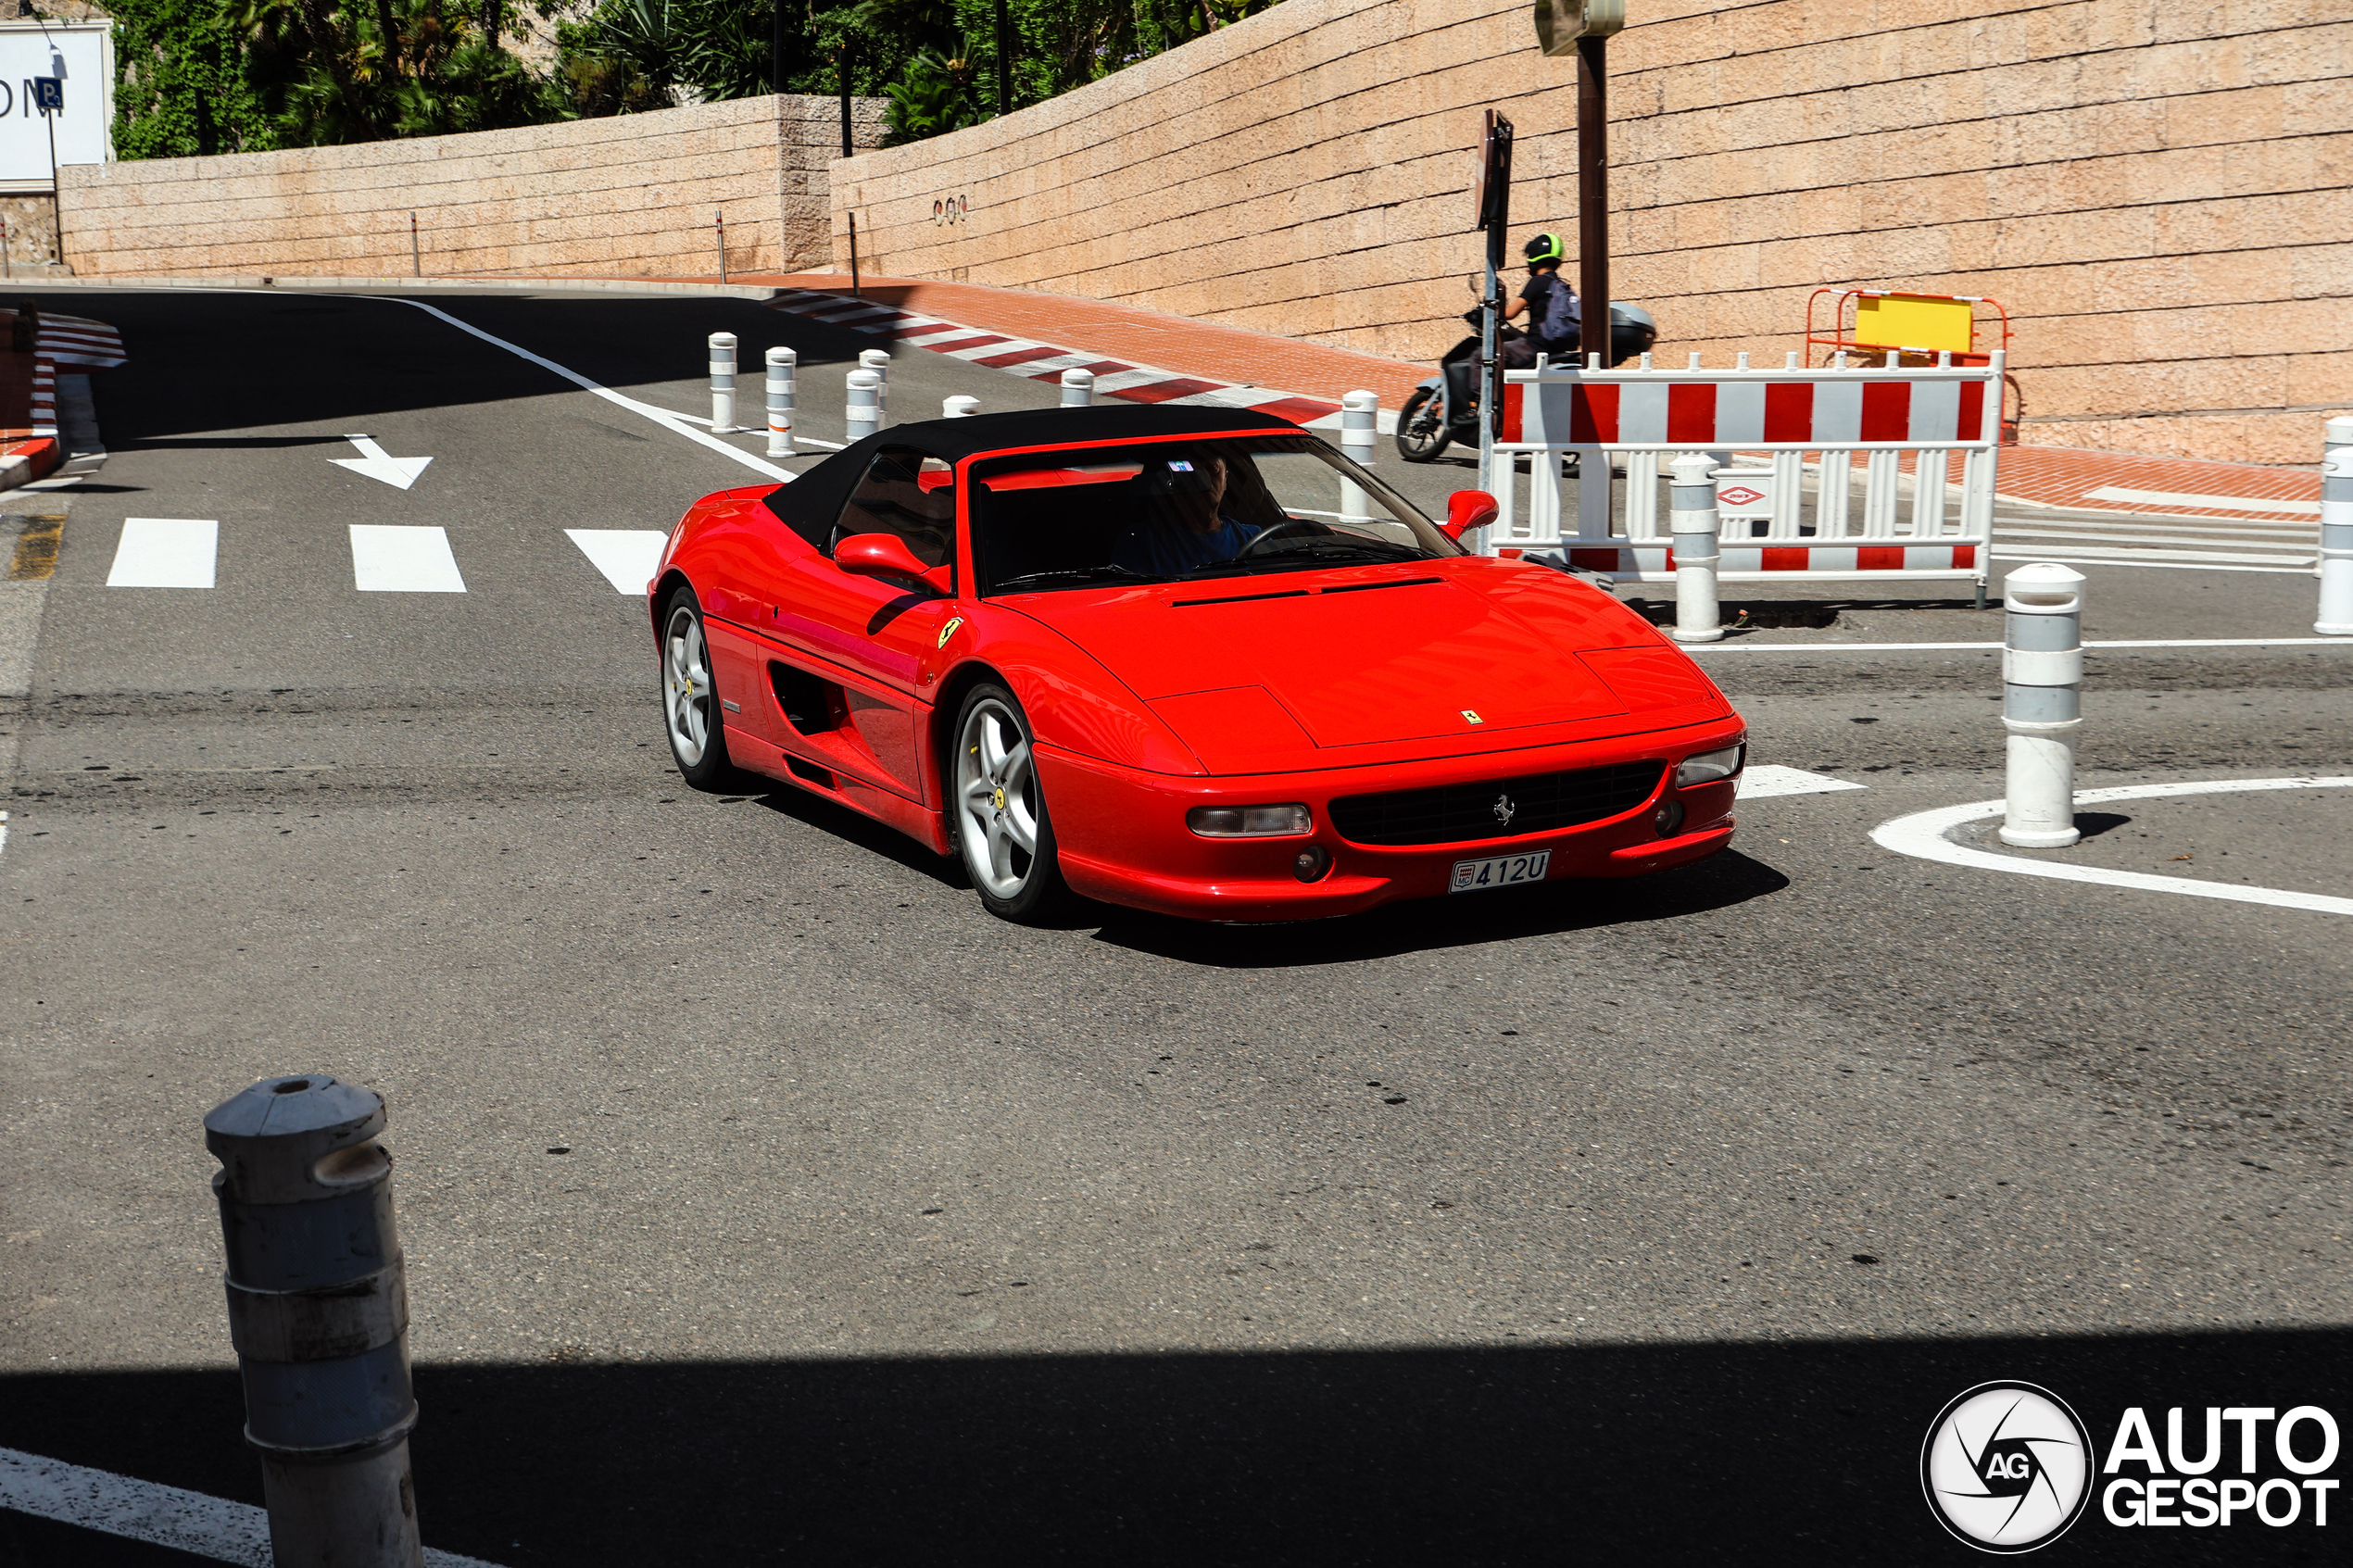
(1186, 660)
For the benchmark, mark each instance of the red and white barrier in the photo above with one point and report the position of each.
(1772, 528)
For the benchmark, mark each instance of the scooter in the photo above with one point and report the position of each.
(1444, 409)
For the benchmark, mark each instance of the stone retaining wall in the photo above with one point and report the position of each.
(632, 194)
(2158, 194)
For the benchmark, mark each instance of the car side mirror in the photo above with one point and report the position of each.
(1467, 510)
(879, 555)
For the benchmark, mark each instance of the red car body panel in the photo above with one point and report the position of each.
(1146, 702)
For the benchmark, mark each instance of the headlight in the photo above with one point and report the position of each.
(1248, 822)
(1710, 767)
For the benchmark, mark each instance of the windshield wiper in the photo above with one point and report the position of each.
(1080, 574)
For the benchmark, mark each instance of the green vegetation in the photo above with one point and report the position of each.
(206, 76)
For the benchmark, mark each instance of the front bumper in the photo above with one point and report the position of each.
(1123, 837)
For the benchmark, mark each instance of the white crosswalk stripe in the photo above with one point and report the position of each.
(165, 552)
(626, 556)
(388, 559)
(2220, 543)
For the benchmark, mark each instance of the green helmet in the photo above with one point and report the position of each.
(1543, 248)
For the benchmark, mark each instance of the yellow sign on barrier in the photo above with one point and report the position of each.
(1913, 320)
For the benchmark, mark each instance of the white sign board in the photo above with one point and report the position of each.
(85, 131)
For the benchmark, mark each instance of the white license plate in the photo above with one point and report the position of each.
(1505, 870)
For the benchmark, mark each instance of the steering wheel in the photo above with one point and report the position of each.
(1311, 529)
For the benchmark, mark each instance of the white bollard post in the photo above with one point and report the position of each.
(723, 383)
(2042, 703)
(1359, 438)
(1079, 389)
(2336, 529)
(874, 359)
(960, 407)
(1693, 497)
(864, 409)
(782, 365)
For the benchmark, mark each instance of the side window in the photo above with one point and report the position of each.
(907, 495)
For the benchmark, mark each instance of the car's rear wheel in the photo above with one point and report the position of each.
(689, 696)
(1003, 834)
(1421, 430)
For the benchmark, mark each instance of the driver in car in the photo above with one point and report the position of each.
(1189, 526)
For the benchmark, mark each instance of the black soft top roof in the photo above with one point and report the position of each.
(811, 503)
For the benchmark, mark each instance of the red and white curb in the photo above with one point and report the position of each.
(1046, 361)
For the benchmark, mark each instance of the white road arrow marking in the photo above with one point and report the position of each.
(398, 472)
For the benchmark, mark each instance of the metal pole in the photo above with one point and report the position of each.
(2042, 703)
(1498, 216)
(776, 52)
(1698, 618)
(57, 204)
(723, 383)
(416, 251)
(1592, 198)
(842, 73)
(1004, 58)
(319, 1315)
(719, 222)
(2336, 529)
(853, 255)
(782, 364)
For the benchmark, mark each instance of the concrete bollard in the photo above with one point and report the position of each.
(783, 365)
(874, 359)
(864, 407)
(1359, 437)
(959, 406)
(723, 383)
(2336, 530)
(1692, 498)
(1079, 389)
(2042, 703)
(319, 1315)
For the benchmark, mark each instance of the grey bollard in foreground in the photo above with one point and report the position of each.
(1698, 618)
(2042, 703)
(723, 383)
(863, 413)
(960, 407)
(783, 365)
(1079, 389)
(319, 1315)
(2336, 529)
(1359, 437)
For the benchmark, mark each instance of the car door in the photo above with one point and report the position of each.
(853, 649)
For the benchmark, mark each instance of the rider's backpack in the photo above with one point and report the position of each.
(1557, 328)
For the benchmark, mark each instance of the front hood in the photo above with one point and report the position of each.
(1268, 671)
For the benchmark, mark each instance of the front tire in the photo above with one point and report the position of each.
(1003, 835)
(1421, 431)
(690, 697)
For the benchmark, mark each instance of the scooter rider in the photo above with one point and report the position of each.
(1550, 305)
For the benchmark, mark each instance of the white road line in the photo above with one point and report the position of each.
(165, 552)
(1996, 648)
(386, 560)
(662, 417)
(1765, 780)
(146, 1511)
(1921, 835)
(2204, 503)
(626, 556)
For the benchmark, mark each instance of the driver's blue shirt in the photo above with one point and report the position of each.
(1165, 549)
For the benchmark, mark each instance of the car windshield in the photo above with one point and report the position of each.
(1172, 511)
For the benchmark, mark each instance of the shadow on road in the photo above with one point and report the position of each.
(1426, 924)
(1669, 1453)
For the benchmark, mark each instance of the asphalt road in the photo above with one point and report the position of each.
(1653, 1217)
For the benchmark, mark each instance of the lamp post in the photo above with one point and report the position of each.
(1492, 195)
(1004, 57)
(1583, 28)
